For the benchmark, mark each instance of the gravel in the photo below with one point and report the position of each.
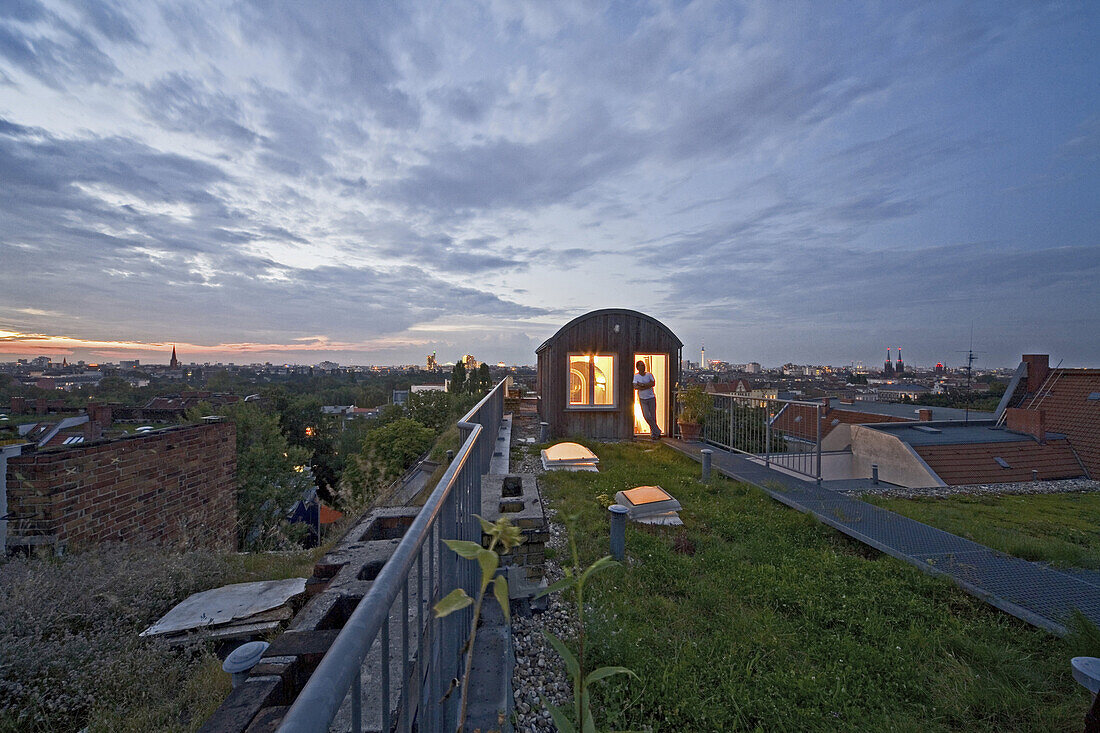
(539, 672)
(1022, 487)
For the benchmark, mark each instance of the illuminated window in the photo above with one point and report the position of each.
(591, 380)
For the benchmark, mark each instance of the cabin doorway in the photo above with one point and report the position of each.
(658, 365)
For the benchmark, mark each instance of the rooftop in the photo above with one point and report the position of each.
(944, 432)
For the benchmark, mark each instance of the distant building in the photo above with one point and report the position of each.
(753, 368)
(430, 387)
(888, 367)
(470, 362)
(894, 392)
(899, 368)
(432, 364)
(174, 363)
(130, 363)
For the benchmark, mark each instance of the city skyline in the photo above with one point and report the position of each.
(367, 185)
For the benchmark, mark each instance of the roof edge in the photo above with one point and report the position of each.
(609, 311)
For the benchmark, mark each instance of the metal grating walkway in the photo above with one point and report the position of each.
(1030, 591)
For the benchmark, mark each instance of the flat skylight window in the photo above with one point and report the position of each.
(1094, 395)
(1001, 462)
(798, 419)
(836, 421)
(925, 429)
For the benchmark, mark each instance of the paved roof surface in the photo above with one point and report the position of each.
(898, 409)
(952, 434)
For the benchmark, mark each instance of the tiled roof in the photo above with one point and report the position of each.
(974, 463)
(1068, 409)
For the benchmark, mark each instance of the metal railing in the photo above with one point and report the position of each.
(413, 677)
(781, 433)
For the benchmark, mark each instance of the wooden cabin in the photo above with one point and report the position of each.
(586, 372)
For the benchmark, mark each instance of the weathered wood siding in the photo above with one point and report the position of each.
(594, 333)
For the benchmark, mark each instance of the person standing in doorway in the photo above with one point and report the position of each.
(643, 384)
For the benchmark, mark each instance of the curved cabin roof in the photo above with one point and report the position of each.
(626, 312)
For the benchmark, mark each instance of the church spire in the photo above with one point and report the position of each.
(174, 364)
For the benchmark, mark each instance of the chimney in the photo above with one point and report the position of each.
(1038, 368)
(18, 404)
(92, 431)
(924, 415)
(99, 413)
(1029, 422)
(825, 403)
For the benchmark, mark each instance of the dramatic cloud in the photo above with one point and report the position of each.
(366, 183)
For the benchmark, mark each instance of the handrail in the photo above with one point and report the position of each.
(322, 696)
(756, 438)
(340, 669)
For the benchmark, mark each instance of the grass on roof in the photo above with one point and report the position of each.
(1060, 529)
(755, 617)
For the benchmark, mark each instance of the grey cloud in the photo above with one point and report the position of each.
(57, 63)
(110, 23)
(24, 11)
(506, 174)
(294, 143)
(181, 102)
(819, 284)
(55, 232)
(437, 251)
(343, 50)
(469, 103)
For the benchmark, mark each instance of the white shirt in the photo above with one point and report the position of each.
(649, 381)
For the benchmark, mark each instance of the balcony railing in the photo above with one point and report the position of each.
(784, 434)
(409, 680)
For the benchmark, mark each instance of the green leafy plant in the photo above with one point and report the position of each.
(506, 535)
(575, 580)
(695, 405)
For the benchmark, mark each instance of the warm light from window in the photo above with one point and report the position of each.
(592, 380)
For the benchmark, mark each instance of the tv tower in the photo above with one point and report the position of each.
(703, 356)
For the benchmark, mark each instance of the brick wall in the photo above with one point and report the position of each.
(173, 487)
(1030, 422)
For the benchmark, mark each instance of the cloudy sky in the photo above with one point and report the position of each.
(367, 182)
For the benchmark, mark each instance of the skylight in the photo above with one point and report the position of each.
(1094, 396)
(1001, 462)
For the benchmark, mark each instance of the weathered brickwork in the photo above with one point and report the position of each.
(172, 487)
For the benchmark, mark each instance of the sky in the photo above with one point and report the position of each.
(369, 182)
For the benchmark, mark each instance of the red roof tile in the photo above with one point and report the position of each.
(973, 463)
(1068, 409)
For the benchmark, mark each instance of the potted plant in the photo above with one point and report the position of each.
(694, 406)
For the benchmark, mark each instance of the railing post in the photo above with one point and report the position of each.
(732, 408)
(820, 416)
(618, 531)
(767, 434)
